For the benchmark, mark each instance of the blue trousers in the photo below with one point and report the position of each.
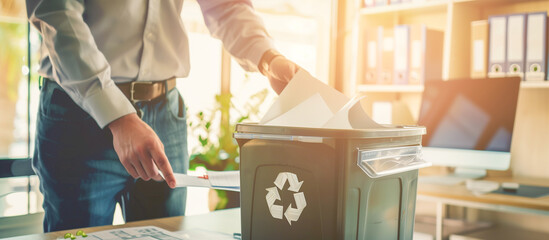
(80, 174)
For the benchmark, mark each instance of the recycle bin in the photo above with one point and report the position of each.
(314, 183)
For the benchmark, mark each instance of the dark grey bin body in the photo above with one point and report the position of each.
(342, 201)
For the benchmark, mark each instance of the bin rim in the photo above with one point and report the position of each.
(389, 131)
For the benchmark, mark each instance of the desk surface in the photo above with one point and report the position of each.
(460, 192)
(224, 220)
(219, 221)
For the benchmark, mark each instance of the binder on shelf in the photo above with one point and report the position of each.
(402, 52)
(536, 46)
(425, 54)
(369, 3)
(497, 46)
(386, 57)
(516, 35)
(371, 53)
(381, 2)
(479, 48)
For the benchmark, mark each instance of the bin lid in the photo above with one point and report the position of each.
(388, 131)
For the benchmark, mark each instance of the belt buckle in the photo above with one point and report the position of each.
(132, 90)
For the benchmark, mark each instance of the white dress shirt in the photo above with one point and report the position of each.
(88, 46)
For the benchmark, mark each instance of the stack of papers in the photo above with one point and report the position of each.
(143, 233)
(308, 102)
(153, 233)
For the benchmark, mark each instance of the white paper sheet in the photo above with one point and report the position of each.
(302, 87)
(225, 180)
(382, 112)
(351, 116)
(202, 234)
(184, 180)
(154, 233)
(141, 233)
(308, 102)
(300, 116)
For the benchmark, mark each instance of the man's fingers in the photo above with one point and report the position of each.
(148, 165)
(277, 85)
(163, 165)
(137, 165)
(131, 170)
(289, 72)
(158, 177)
(153, 172)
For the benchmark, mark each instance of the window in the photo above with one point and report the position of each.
(300, 30)
(18, 103)
(285, 21)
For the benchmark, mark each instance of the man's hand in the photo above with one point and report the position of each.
(140, 150)
(280, 72)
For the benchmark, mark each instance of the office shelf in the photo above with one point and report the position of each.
(405, 7)
(419, 88)
(454, 17)
(390, 88)
(502, 233)
(434, 5)
(540, 84)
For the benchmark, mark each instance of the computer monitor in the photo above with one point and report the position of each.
(469, 124)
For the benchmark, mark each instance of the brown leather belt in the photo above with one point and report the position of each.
(146, 91)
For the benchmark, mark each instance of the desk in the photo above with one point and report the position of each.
(226, 221)
(458, 195)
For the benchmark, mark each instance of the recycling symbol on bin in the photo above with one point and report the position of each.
(291, 214)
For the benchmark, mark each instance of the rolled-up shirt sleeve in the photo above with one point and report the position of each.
(78, 65)
(240, 29)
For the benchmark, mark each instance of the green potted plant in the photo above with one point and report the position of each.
(217, 150)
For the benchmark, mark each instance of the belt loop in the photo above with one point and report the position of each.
(137, 109)
(134, 102)
(166, 90)
(40, 82)
(45, 82)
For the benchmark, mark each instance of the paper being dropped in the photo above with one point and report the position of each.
(225, 180)
(308, 102)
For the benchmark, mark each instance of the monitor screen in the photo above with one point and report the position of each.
(475, 114)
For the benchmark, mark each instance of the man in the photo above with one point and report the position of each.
(109, 113)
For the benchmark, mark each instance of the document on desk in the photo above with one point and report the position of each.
(202, 234)
(222, 180)
(141, 233)
(308, 102)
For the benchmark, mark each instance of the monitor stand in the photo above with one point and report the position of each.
(459, 176)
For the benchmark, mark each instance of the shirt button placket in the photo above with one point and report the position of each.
(148, 42)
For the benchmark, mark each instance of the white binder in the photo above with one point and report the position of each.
(371, 55)
(536, 46)
(498, 46)
(386, 58)
(516, 36)
(479, 48)
(402, 53)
